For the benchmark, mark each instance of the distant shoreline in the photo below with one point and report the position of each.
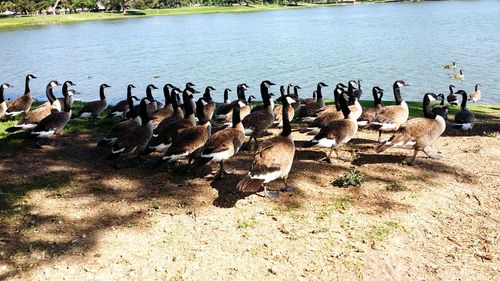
(18, 22)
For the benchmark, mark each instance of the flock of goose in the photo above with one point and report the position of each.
(181, 127)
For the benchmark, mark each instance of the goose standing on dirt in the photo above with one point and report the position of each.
(475, 96)
(209, 107)
(134, 141)
(310, 108)
(153, 103)
(226, 107)
(23, 103)
(190, 86)
(166, 132)
(452, 98)
(257, 122)
(453, 66)
(225, 143)
(368, 113)
(64, 90)
(189, 142)
(122, 107)
(124, 126)
(327, 114)
(278, 120)
(35, 116)
(273, 160)
(55, 122)
(337, 133)
(94, 108)
(417, 133)
(458, 76)
(441, 109)
(389, 118)
(464, 119)
(167, 110)
(3, 104)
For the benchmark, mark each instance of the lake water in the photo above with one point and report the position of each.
(378, 43)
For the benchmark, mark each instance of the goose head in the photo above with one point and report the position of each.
(6, 86)
(267, 83)
(30, 76)
(244, 86)
(130, 86)
(69, 83)
(400, 84)
(250, 99)
(476, 87)
(54, 83)
(322, 84)
(297, 87)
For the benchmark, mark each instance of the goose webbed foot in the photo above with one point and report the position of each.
(272, 194)
(326, 160)
(287, 187)
(220, 174)
(434, 157)
(412, 161)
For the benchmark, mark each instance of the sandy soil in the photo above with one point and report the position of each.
(77, 218)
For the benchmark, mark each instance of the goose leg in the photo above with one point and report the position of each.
(338, 157)
(411, 163)
(327, 159)
(287, 187)
(379, 136)
(221, 172)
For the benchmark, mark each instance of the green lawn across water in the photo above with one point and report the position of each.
(7, 23)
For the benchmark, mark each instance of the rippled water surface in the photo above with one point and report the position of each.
(378, 43)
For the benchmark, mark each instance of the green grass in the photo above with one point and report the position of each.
(248, 223)
(29, 21)
(396, 186)
(351, 178)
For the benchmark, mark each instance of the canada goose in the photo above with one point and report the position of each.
(310, 108)
(3, 104)
(457, 76)
(167, 110)
(191, 88)
(451, 98)
(225, 143)
(134, 141)
(273, 160)
(35, 116)
(54, 123)
(450, 66)
(336, 133)
(327, 114)
(65, 90)
(250, 100)
(153, 104)
(354, 90)
(389, 118)
(278, 120)
(166, 133)
(209, 107)
(310, 100)
(475, 96)
(124, 126)
(257, 122)
(441, 109)
(94, 108)
(288, 89)
(226, 107)
(417, 133)
(245, 110)
(23, 103)
(464, 119)
(122, 107)
(189, 142)
(177, 114)
(368, 113)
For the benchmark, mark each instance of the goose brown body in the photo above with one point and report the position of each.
(273, 158)
(417, 133)
(23, 103)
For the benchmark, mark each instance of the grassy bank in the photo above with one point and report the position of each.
(29, 21)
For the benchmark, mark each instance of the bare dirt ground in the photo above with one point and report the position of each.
(72, 216)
